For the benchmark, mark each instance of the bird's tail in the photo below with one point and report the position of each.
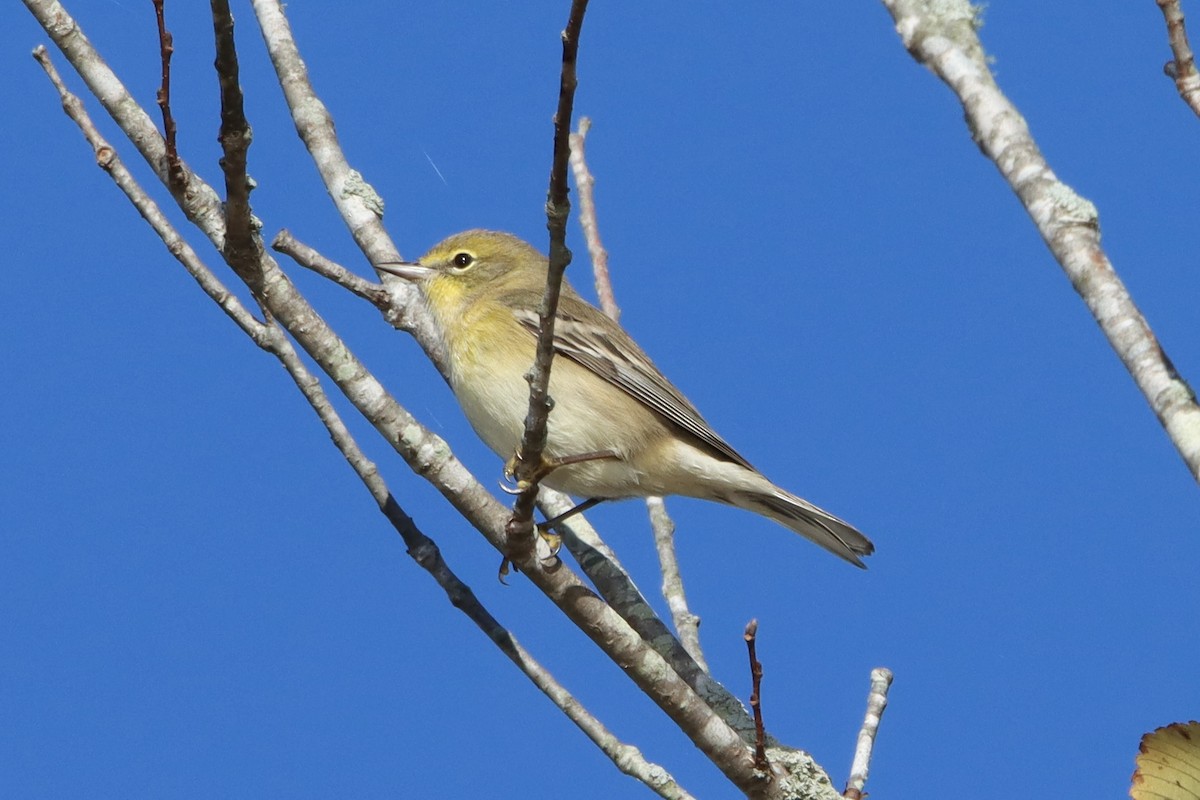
(837, 536)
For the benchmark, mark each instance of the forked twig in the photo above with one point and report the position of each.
(1182, 69)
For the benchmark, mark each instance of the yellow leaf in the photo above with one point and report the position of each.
(1168, 764)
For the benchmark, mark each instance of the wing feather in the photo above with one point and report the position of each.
(584, 335)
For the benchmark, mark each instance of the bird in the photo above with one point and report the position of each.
(642, 436)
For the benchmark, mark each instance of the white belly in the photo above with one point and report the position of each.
(496, 405)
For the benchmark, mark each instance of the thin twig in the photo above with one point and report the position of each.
(519, 531)
(881, 680)
(760, 738)
(942, 35)
(686, 623)
(166, 47)
(1183, 68)
(309, 258)
(585, 182)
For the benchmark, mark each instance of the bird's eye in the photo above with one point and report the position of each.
(463, 260)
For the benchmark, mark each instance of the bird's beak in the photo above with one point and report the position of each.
(409, 270)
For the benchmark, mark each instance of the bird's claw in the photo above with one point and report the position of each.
(550, 561)
(552, 539)
(509, 483)
(509, 486)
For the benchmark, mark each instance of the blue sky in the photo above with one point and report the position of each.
(197, 598)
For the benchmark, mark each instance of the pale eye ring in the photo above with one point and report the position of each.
(463, 260)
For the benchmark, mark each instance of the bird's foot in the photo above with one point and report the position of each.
(548, 557)
(519, 478)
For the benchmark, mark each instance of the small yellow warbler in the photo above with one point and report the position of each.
(484, 289)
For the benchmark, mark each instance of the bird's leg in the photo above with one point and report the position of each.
(553, 539)
(547, 466)
(537, 474)
(549, 537)
(578, 509)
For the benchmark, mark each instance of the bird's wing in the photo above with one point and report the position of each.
(587, 337)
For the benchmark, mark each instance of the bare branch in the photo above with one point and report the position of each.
(1183, 68)
(132, 118)
(585, 183)
(881, 680)
(529, 463)
(941, 34)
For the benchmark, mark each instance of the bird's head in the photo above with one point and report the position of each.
(469, 264)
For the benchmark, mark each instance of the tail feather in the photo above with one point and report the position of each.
(835, 535)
